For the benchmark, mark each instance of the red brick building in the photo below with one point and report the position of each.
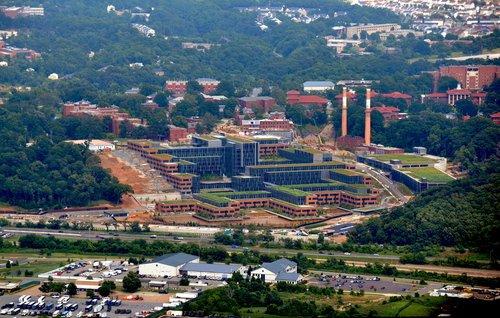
(85, 108)
(472, 77)
(390, 113)
(208, 85)
(496, 118)
(265, 103)
(177, 134)
(398, 95)
(295, 98)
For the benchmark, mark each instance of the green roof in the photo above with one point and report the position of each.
(348, 172)
(239, 139)
(291, 191)
(404, 158)
(430, 173)
(207, 137)
(212, 197)
(317, 164)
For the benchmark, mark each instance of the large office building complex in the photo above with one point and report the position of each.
(220, 176)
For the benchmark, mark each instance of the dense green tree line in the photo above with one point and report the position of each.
(287, 54)
(37, 169)
(461, 213)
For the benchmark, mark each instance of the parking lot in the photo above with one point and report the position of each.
(109, 270)
(366, 283)
(75, 307)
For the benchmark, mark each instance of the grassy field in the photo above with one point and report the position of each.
(430, 173)
(416, 307)
(33, 265)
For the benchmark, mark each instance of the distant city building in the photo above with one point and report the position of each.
(295, 98)
(339, 45)
(177, 134)
(144, 30)
(453, 95)
(351, 31)
(496, 118)
(95, 145)
(14, 52)
(176, 87)
(390, 113)
(15, 12)
(265, 103)
(202, 47)
(472, 77)
(318, 86)
(85, 108)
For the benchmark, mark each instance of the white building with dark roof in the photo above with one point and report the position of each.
(318, 86)
(210, 271)
(282, 270)
(167, 265)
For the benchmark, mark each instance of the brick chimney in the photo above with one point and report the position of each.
(368, 120)
(344, 111)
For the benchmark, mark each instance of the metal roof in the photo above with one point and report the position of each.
(318, 84)
(174, 259)
(279, 266)
(288, 277)
(211, 268)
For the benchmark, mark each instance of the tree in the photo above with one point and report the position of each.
(321, 238)
(184, 281)
(106, 288)
(465, 107)
(89, 293)
(161, 99)
(193, 87)
(135, 227)
(445, 83)
(131, 282)
(71, 289)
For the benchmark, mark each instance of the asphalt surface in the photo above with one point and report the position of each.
(134, 306)
(358, 258)
(387, 183)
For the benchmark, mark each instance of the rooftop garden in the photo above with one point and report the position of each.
(347, 172)
(207, 137)
(317, 164)
(239, 139)
(430, 173)
(291, 191)
(404, 158)
(162, 156)
(213, 198)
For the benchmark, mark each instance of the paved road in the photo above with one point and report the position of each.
(358, 259)
(387, 183)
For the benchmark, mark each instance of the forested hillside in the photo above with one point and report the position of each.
(37, 170)
(285, 55)
(462, 213)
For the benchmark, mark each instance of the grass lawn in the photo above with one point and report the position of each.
(421, 307)
(430, 173)
(35, 266)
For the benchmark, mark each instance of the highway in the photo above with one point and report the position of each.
(99, 235)
(357, 259)
(387, 183)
